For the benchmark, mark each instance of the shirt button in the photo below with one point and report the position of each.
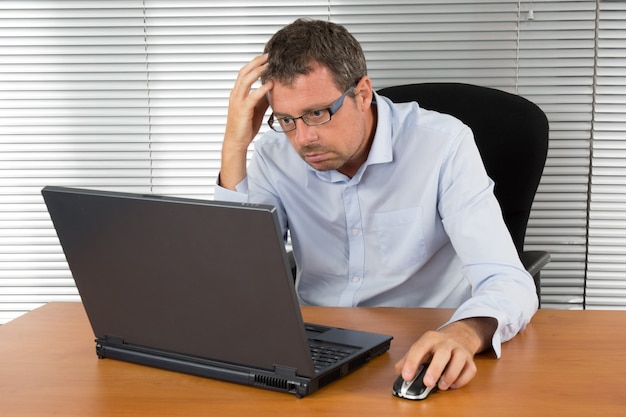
(356, 279)
(355, 232)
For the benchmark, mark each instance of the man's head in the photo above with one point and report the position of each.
(295, 47)
(321, 95)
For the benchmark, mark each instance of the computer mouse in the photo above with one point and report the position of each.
(415, 388)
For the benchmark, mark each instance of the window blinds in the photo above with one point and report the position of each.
(73, 111)
(132, 96)
(606, 267)
(119, 95)
(556, 71)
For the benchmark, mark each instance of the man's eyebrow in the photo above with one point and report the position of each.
(281, 115)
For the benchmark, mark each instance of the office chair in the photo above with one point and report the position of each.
(512, 137)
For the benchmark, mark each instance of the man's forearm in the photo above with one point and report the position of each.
(233, 168)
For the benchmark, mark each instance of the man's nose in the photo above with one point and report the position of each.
(304, 133)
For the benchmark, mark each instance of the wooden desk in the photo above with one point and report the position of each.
(566, 363)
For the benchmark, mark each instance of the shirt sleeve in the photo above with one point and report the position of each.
(511, 313)
(501, 287)
(250, 190)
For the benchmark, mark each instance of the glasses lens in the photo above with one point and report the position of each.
(286, 124)
(281, 125)
(317, 117)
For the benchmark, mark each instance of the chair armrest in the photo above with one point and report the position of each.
(534, 261)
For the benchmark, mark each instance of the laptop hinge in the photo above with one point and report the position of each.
(108, 340)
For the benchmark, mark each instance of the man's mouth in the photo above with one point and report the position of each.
(315, 157)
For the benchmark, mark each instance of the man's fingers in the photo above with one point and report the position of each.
(451, 363)
(248, 75)
(420, 352)
(467, 373)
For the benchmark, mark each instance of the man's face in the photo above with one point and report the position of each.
(343, 143)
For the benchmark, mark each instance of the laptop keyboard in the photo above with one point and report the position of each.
(324, 355)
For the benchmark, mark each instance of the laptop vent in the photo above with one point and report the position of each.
(358, 363)
(270, 382)
(327, 379)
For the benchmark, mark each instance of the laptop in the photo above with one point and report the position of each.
(200, 287)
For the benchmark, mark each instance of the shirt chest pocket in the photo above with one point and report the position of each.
(401, 237)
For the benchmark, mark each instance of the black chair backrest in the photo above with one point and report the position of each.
(510, 131)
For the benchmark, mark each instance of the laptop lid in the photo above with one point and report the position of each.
(201, 278)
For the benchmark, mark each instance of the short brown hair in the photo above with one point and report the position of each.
(293, 48)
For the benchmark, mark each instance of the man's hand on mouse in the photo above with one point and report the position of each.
(450, 351)
(246, 110)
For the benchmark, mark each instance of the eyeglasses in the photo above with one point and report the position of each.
(312, 118)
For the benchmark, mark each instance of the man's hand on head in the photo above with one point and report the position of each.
(246, 110)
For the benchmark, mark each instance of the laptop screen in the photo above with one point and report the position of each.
(203, 278)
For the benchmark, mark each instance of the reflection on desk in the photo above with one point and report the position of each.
(566, 363)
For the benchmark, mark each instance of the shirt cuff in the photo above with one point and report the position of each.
(240, 195)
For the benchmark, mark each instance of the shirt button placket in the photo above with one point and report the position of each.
(356, 247)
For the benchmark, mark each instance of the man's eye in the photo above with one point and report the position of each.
(286, 120)
(317, 113)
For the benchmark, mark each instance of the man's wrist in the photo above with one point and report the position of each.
(476, 333)
(233, 169)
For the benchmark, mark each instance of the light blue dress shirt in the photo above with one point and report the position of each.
(417, 226)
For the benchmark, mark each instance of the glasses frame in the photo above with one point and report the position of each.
(334, 108)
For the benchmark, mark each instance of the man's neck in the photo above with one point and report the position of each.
(351, 168)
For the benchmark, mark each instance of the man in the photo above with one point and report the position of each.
(387, 204)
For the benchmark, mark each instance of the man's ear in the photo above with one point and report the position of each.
(365, 93)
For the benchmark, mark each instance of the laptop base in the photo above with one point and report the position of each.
(280, 379)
